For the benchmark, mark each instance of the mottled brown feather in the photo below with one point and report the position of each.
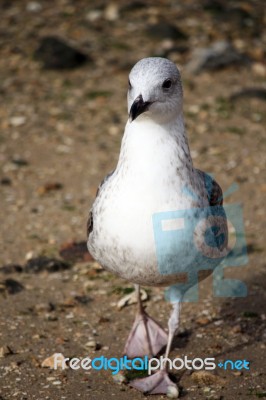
(215, 192)
(90, 219)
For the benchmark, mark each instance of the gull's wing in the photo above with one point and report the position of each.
(215, 196)
(90, 219)
(215, 193)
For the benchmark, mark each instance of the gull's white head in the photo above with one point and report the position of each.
(155, 90)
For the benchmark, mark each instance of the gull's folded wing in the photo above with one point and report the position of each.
(215, 193)
(90, 219)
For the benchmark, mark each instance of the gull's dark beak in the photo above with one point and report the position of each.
(138, 107)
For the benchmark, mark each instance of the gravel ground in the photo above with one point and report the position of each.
(60, 133)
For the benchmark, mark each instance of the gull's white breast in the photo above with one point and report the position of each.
(148, 179)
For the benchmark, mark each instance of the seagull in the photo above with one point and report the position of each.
(155, 174)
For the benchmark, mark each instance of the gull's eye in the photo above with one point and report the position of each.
(129, 85)
(167, 84)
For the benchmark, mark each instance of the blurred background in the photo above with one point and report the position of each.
(63, 80)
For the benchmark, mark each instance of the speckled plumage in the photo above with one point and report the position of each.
(153, 169)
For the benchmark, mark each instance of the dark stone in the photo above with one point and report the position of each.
(11, 286)
(20, 162)
(224, 10)
(75, 252)
(255, 93)
(236, 15)
(253, 248)
(250, 314)
(54, 53)
(164, 30)
(214, 6)
(82, 299)
(218, 56)
(43, 263)
(6, 181)
(133, 5)
(11, 268)
(181, 49)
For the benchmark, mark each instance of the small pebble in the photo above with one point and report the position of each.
(120, 378)
(92, 344)
(237, 373)
(17, 121)
(5, 351)
(34, 6)
(50, 362)
(172, 392)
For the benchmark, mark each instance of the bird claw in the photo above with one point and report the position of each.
(145, 327)
(158, 383)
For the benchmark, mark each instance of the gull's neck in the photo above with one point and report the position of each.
(149, 146)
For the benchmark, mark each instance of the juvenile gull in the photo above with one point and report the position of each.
(154, 174)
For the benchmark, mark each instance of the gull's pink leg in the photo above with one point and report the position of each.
(146, 337)
(160, 381)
